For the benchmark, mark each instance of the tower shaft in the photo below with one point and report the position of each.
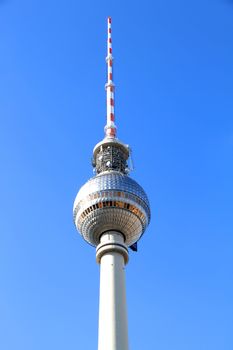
(112, 254)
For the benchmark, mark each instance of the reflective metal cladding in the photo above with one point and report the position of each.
(111, 201)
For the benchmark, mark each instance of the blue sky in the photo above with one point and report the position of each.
(173, 71)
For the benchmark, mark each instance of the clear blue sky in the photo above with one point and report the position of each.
(174, 105)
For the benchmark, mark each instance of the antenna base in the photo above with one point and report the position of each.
(111, 154)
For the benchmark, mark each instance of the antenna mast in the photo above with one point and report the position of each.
(110, 128)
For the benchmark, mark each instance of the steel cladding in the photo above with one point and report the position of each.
(111, 201)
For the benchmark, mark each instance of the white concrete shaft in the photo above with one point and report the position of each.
(113, 328)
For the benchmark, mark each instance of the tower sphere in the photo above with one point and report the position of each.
(111, 201)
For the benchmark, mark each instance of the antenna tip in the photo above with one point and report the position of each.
(109, 20)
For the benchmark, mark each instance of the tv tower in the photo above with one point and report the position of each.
(111, 211)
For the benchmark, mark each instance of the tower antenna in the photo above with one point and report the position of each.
(110, 128)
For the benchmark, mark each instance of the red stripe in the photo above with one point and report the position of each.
(109, 20)
(110, 50)
(110, 63)
(110, 76)
(111, 88)
(110, 40)
(111, 132)
(111, 117)
(111, 102)
(110, 30)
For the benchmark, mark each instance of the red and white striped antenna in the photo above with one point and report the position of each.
(110, 128)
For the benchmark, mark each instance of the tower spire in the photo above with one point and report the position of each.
(110, 128)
